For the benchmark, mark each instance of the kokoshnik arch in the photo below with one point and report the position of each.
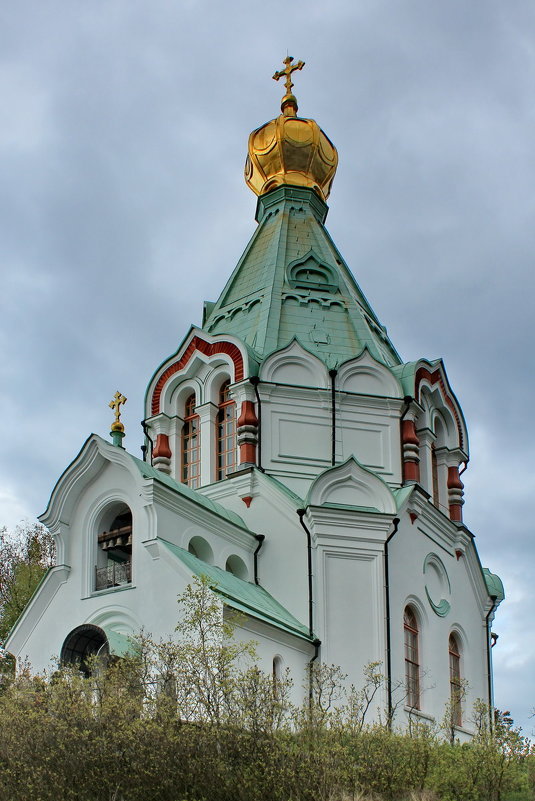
(294, 459)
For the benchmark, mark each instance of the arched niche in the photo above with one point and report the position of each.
(202, 549)
(310, 272)
(366, 376)
(237, 567)
(295, 366)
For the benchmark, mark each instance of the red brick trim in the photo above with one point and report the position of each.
(162, 447)
(436, 377)
(248, 415)
(411, 471)
(247, 453)
(198, 344)
(456, 502)
(408, 433)
(456, 512)
(454, 482)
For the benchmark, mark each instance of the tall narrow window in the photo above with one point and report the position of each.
(434, 471)
(226, 433)
(191, 445)
(455, 680)
(412, 664)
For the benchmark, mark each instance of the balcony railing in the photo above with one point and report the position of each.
(114, 575)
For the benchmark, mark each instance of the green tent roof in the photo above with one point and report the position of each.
(292, 282)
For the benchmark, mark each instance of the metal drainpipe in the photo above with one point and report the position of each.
(254, 381)
(301, 513)
(395, 523)
(144, 448)
(316, 643)
(260, 539)
(493, 598)
(333, 373)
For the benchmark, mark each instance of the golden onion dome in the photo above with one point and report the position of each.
(290, 150)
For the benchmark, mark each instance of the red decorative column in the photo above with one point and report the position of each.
(410, 452)
(247, 431)
(455, 494)
(161, 455)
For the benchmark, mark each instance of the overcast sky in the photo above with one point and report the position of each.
(123, 133)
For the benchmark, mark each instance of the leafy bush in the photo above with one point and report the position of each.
(194, 719)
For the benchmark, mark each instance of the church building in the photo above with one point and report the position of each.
(294, 459)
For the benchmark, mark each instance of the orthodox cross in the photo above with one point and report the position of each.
(287, 71)
(115, 404)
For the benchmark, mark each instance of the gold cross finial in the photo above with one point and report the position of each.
(115, 404)
(287, 71)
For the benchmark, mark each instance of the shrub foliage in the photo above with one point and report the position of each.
(194, 718)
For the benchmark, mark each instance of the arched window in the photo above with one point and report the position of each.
(412, 659)
(114, 556)
(191, 445)
(225, 433)
(277, 669)
(455, 680)
(277, 675)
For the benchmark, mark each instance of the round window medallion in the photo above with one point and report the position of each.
(437, 585)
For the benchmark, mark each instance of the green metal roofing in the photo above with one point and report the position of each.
(119, 644)
(148, 471)
(494, 585)
(405, 373)
(284, 489)
(292, 282)
(241, 595)
(401, 494)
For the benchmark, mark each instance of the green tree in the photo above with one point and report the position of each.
(25, 555)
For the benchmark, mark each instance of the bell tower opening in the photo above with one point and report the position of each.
(114, 555)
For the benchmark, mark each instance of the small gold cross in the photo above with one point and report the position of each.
(115, 404)
(287, 71)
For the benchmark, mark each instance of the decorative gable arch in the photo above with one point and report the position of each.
(351, 484)
(434, 378)
(310, 272)
(366, 376)
(438, 417)
(295, 365)
(201, 346)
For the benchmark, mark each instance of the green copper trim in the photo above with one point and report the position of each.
(494, 585)
(117, 438)
(443, 607)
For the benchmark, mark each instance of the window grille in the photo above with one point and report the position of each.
(225, 433)
(191, 445)
(412, 664)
